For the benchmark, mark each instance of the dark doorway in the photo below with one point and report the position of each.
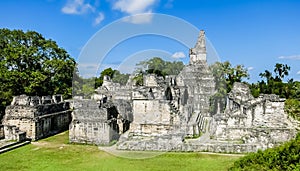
(168, 94)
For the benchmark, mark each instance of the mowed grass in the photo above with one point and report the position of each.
(54, 153)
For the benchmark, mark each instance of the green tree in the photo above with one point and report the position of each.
(292, 107)
(115, 75)
(139, 79)
(274, 84)
(224, 72)
(266, 86)
(158, 66)
(32, 65)
(281, 70)
(120, 78)
(106, 72)
(296, 90)
(283, 157)
(225, 76)
(218, 100)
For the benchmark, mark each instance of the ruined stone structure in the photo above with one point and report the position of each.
(172, 114)
(161, 108)
(166, 111)
(102, 119)
(261, 121)
(34, 117)
(93, 124)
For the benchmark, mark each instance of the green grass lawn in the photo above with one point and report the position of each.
(54, 153)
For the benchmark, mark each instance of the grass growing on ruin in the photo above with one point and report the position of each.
(55, 153)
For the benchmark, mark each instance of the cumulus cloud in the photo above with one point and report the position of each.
(77, 7)
(178, 55)
(99, 19)
(298, 73)
(292, 57)
(133, 7)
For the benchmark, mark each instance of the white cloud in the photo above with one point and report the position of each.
(139, 18)
(133, 7)
(298, 73)
(178, 55)
(250, 68)
(77, 7)
(292, 57)
(99, 19)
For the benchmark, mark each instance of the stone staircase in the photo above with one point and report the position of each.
(7, 146)
(174, 109)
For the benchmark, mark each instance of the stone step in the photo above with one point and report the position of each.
(9, 144)
(17, 145)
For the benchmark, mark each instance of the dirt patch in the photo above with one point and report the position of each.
(48, 145)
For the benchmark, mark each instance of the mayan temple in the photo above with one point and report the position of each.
(173, 114)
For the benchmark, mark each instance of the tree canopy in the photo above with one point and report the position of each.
(156, 66)
(225, 75)
(115, 75)
(32, 65)
(274, 83)
(160, 67)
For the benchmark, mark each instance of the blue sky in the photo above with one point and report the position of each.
(255, 33)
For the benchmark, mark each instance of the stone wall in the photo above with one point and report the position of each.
(92, 124)
(13, 133)
(219, 148)
(176, 144)
(99, 133)
(38, 117)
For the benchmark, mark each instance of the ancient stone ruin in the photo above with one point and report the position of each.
(33, 117)
(261, 121)
(172, 114)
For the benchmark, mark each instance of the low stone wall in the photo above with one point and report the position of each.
(256, 135)
(220, 148)
(164, 145)
(152, 143)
